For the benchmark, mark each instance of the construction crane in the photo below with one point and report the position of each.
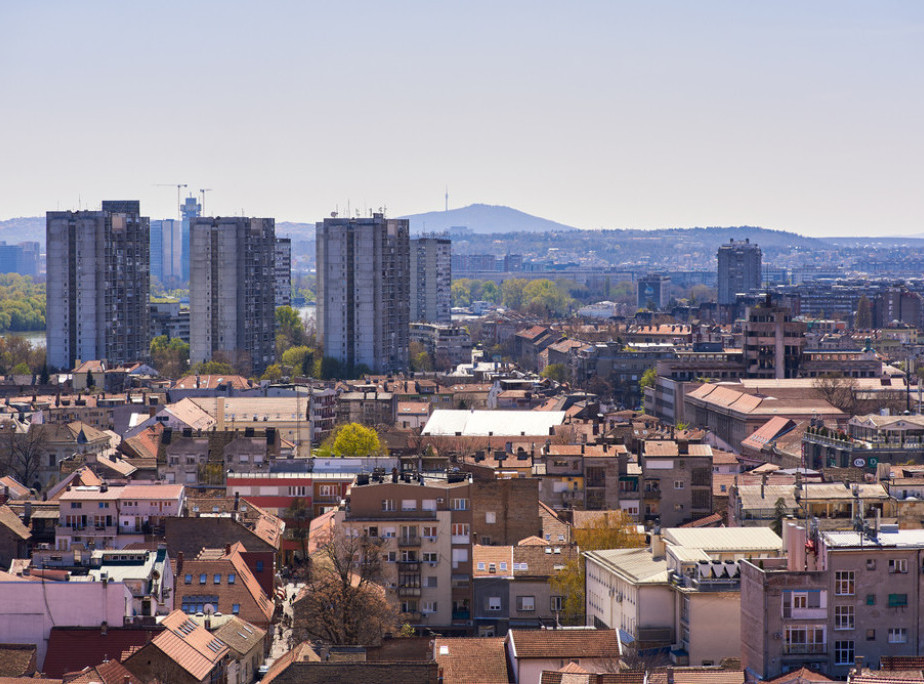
(179, 187)
(202, 192)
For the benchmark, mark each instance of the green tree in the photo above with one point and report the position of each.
(353, 440)
(490, 292)
(864, 314)
(420, 358)
(91, 381)
(290, 330)
(612, 530)
(170, 356)
(212, 368)
(329, 368)
(649, 378)
(512, 292)
(461, 292)
(555, 371)
(298, 358)
(272, 373)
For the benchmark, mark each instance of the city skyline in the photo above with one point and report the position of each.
(602, 115)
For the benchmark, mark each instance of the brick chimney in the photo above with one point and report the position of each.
(179, 563)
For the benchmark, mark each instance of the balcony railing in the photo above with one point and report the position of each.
(409, 541)
(408, 591)
(652, 494)
(461, 614)
(804, 649)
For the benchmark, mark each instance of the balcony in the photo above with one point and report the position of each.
(461, 614)
(409, 541)
(409, 565)
(805, 649)
(652, 494)
(408, 591)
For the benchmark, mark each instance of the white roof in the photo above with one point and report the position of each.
(724, 538)
(497, 423)
(899, 538)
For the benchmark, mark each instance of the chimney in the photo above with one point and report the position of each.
(237, 500)
(179, 562)
(208, 622)
(227, 549)
(763, 483)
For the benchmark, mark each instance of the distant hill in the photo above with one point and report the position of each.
(24, 229)
(295, 230)
(483, 219)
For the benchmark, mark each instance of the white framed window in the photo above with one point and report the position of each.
(844, 583)
(898, 635)
(428, 505)
(460, 529)
(459, 556)
(799, 599)
(494, 603)
(481, 565)
(678, 484)
(459, 504)
(898, 565)
(526, 603)
(388, 504)
(429, 531)
(428, 607)
(430, 557)
(408, 504)
(556, 603)
(843, 652)
(431, 581)
(843, 617)
(490, 517)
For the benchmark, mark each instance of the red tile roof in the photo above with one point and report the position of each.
(70, 649)
(564, 643)
(465, 660)
(190, 645)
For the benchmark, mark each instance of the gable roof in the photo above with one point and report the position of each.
(189, 645)
(469, 659)
(16, 489)
(109, 672)
(70, 649)
(240, 635)
(210, 382)
(11, 521)
(563, 643)
(17, 660)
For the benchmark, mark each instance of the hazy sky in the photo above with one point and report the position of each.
(804, 116)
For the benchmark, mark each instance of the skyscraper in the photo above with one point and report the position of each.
(283, 275)
(654, 291)
(739, 269)
(190, 209)
(97, 285)
(363, 269)
(431, 279)
(232, 291)
(167, 252)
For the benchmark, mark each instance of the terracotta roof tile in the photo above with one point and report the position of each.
(70, 649)
(564, 643)
(11, 521)
(17, 659)
(189, 645)
(464, 660)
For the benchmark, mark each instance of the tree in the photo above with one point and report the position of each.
(512, 292)
(329, 368)
(298, 519)
(91, 381)
(555, 371)
(612, 530)
(343, 602)
(838, 390)
(420, 358)
(353, 440)
(290, 330)
(864, 314)
(22, 451)
(298, 359)
(170, 356)
(272, 373)
(649, 378)
(212, 368)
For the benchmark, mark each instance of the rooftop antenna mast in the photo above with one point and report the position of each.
(447, 198)
(178, 186)
(202, 192)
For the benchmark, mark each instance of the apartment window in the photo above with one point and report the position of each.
(409, 504)
(898, 600)
(428, 505)
(871, 635)
(259, 566)
(409, 606)
(480, 565)
(430, 581)
(556, 603)
(870, 563)
(460, 529)
(898, 635)
(236, 608)
(430, 557)
(490, 517)
(843, 652)
(203, 578)
(871, 599)
(388, 504)
(231, 576)
(429, 531)
(188, 579)
(526, 603)
(494, 603)
(428, 607)
(843, 617)
(75, 504)
(373, 531)
(843, 583)
(678, 484)
(803, 639)
(799, 599)
(459, 556)
(898, 565)
(392, 556)
(459, 504)
(217, 578)
(503, 565)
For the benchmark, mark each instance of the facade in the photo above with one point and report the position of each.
(97, 287)
(189, 210)
(22, 258)
(772, 343)
(677, 481)
(232, 293)
(363, 280)
(431, 279)
(834, 597)
(283, 278)
(447, 345)
(653, 292)
(739, 269)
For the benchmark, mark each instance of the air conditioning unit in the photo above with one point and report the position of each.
(439, 500)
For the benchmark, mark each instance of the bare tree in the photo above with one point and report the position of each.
(343, 602)
(22, 450)
(838, 390)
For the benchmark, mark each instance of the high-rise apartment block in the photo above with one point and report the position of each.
(739, 269)
(363, 267)
(190, 209)
(232, 291)
(22, 258)
(654, 292)
(167, 251)
(283, 276)
(98, 281)
(431, 279)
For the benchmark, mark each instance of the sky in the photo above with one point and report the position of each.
(651, 114)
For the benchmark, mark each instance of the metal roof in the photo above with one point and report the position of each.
(724, 538)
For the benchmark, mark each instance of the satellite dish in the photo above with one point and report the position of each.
(209, 609)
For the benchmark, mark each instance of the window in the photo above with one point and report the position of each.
(430, 581)
(203, 578)
(871, 635)
(898, 635)
(556, 603)
(799, 599)
(678, 484)
(490, 517)
(188, 579)
(870, 563)
(898, 600)
(494, 603)
(373, 531)
(409, 606)
(430, 557)
(388, 504)
(428, 607)
(843, 583)
(503, 565)
(217, 578)
(429, 530)
(526, 603)
(236, 608)
(259, 566)
(460, 529)
(392, 556)
(428, 505)
(803, 639)
(481, 565)
(409, 504)
(871, 599)
(843, 617)
(898, 565)
(843, 653)
(459, 504)
(459, 556)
